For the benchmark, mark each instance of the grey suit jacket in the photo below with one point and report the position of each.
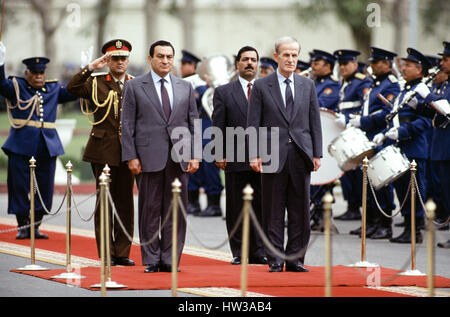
(266, 109)
(146, 134)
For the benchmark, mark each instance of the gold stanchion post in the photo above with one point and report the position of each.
(33, 266)
(327, 200)
(176, 190)
(363, 262)
(68, 274)
(248, 197)
(430, 210)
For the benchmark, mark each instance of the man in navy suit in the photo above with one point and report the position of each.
(230, 111)
(286, 104)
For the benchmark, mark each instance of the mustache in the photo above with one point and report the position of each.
(249, 67)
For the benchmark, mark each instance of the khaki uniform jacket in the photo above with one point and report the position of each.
(104, 144)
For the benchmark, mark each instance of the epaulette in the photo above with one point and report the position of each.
(49, 81)
(360, 76)
(334, 78)
(99, 74)
(393, 79)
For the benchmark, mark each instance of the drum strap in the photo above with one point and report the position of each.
(365, 109)
(395, 120)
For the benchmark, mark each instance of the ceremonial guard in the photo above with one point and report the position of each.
(407, 131)
(302, 66)
(207, 175)
(354, 86)
(327, 88)
(267, 66)
(102, 104)
(438, 107)
(372, 121)
(31, 105)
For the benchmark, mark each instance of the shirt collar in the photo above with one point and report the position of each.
(281, 78)
(244, 82)
(157, 78)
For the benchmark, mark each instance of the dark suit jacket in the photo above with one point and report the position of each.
(230, 110)
(146, 133)
(103, 146)
(266, 109)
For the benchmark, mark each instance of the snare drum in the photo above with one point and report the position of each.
(387, 166)
(350, 148)
(329, 170)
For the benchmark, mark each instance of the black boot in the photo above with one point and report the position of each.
(213, 209)
(352, 213)
(405, 236)
(193, 202)
(317, 219)
(37, 233)
(23, 233)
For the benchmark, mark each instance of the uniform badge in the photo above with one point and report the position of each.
(365, 91)
(328, 91)
(390, 97)
(119, 44)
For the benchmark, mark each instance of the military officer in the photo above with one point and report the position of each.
(407, 131)
(31, 104)
(302, 66)
(372, 121)
(267, 66)
(441, 136)
(188, 64)
(103, 94)
(354, 86)
(327, 88)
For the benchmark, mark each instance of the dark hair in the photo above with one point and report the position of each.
(160, 43)
(245, 49)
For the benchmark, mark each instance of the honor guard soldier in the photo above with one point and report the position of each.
(208, 174)
(31, 105)
(302, 66)
(354, 86)
(188, 64)
(372, 121)
(327, 88)
(102, 93)
(267, 66)
(407, 130)
(439, 109)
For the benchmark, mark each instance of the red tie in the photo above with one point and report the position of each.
(249, 90)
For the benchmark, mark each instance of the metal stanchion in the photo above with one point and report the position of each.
(176, 190)
(68, 274)
(413, 271)
(248, 197)
(32, 266)
(103, 197)
(363, 262)
(430, 209)
(327, 201)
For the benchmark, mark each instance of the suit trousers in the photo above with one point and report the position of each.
(121, 189)
(235, 183)
(155, 198)
(289, 189)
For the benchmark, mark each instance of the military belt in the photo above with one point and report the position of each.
(36, 124)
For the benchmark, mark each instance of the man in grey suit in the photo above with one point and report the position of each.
(287, 103)
(155, 108)
(230, 111)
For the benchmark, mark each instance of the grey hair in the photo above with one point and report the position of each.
(284, 40)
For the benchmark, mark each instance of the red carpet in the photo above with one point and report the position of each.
(197, 272)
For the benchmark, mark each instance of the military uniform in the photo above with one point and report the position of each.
(102, 104)
(267, 66)
(352, 93)
(32, 134)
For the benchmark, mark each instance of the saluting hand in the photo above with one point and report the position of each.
(100, 62)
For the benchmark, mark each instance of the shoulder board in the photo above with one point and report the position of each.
(49, 81)
(334, 78)
(360, 76)
(393, 79)
(99, 74)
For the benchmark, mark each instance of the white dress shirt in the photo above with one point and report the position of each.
(244, 84)
(167, 85)
(282, 84)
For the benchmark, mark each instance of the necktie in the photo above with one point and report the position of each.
(165, 100)
(289, 97)
(249, 90)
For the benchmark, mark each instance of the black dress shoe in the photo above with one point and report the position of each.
(405, 237)
(350, 214)
(166, 268)
(236, 260)
(275, 268)
(257, 260)
(39, 235)
(296, 268)
(382, 233)
(123, 261)
(152, 268)
(23, 234)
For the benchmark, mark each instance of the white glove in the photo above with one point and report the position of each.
(422, 90)
(413, 103)
(442, 106)
(355, 120)
(378, 139)
(340, 120)
(392, 134)
(86, 56)
(2, 54)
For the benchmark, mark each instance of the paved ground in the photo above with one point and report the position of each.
(209, 233)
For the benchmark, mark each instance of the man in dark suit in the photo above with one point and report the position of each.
(156, 108)
(230, 111)
(286, 103)
(103, 146)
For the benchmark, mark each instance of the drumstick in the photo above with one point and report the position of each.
(385, 101)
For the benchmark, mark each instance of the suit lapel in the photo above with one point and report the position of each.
(274, 88)
(149, 89)
(298, 95)
(176, 90)
(239, 97)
